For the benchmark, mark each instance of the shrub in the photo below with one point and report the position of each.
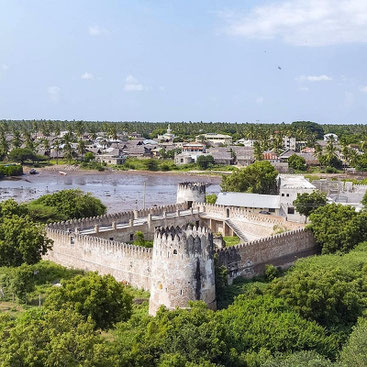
(101, 298)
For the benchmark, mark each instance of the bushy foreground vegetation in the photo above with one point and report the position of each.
(312, 315)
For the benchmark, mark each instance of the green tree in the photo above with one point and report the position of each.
(297, 163)
(140, 241)
(211, 198)
(306, 203)
(258, 151)
(259, 177)
(301, 359)
(355, 351)
(49, 338)
(21, 155)
(22, 241)
(101, 298)
(16, 142)
(88, 157)
(254, 323)
(151, 165)
(338, 228)
(71, 204)
(205, 161)
(331, 295)
(361, 162)
(196, 335)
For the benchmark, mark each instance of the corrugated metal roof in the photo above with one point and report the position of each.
(247, 200)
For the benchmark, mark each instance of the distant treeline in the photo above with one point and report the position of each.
(303, 130)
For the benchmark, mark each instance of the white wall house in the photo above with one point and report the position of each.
(289, 186)
(331, 136)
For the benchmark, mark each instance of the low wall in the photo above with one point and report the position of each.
(249, 259)
(231, 212)
(126, 234)
(118, 218)
(128, 263)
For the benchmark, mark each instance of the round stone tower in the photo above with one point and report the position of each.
(190, 192)
(182, 268)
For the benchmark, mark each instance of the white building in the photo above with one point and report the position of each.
(168, 136)
(215, 139)
(289, 186)
(255, 203)
(289, 143)
(282, 204)
(246, 142)
(331, 136)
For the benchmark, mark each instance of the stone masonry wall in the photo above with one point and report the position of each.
(118, 218)
(128, 263)
(249, 259)
(125, 234)
(231, 212)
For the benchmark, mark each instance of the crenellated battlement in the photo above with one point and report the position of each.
(118, 218)
(183, 267)
(249, 259)
(190, 192)
(180, 266)
(199, 186)
(222, 211)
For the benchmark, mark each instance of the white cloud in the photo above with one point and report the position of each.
(54, 93)
(96, 30)
(314, 78)
(259, 100)
(363, 89)
(87, 76)
(133, 85)
(304, 22)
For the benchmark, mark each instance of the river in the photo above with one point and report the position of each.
(119, 191)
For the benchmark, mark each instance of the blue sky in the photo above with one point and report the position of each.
(170, 60)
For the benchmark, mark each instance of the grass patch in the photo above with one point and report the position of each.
(231, 240)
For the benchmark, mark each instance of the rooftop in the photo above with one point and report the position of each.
(295, 182)
(248, 200)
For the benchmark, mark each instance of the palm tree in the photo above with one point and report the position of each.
(258, 151)
(16, 142)
(81, 147)
(68, 151)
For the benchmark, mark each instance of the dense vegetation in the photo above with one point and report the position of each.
(306, 203)
(310, 316)
(302, 130)
(259, 177)
(10, 170)
(22, 236)
(66, 204)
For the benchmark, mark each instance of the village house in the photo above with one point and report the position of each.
(110, 159)
(215, 139)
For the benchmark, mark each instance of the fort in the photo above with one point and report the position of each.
(180, 266)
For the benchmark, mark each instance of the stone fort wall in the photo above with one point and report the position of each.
(128, 263)
(118, 218)
(223, 212)
(133, 264)
(249, 259)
